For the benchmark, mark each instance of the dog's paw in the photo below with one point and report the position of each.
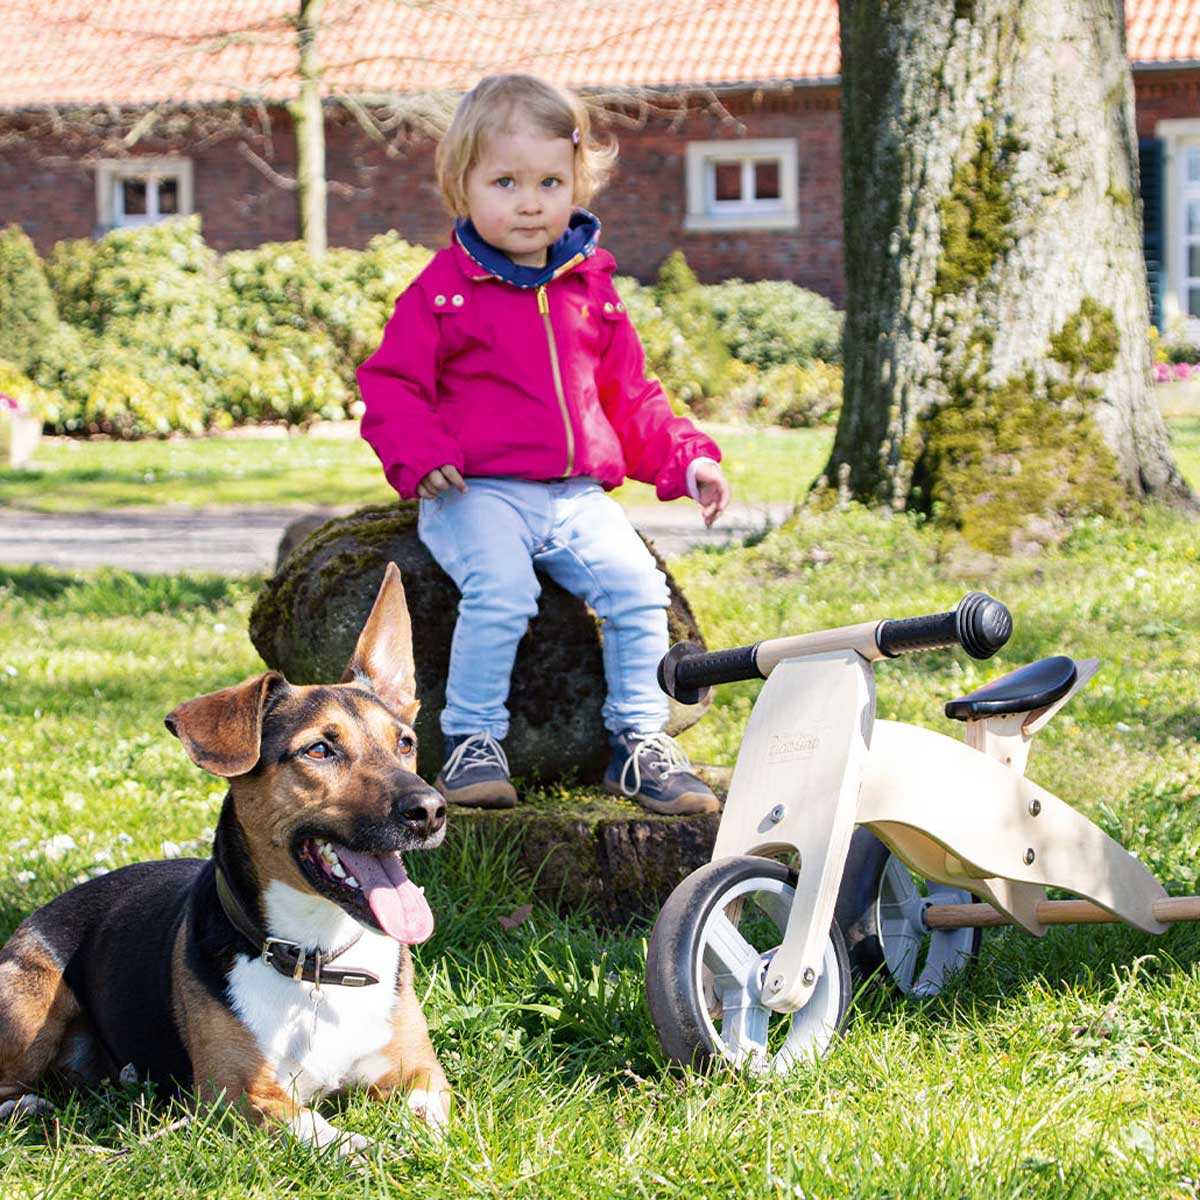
(28, 1105)
(312, 1129)
(432, 1106)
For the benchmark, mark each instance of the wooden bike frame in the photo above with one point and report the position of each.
(814, 762)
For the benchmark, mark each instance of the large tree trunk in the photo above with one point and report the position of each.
(997, 361)
(309, 122)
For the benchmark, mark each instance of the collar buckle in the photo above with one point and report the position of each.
(294, 948)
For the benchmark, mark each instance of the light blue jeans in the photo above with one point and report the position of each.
(488, 540)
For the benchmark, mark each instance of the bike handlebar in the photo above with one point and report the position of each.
(978, 623)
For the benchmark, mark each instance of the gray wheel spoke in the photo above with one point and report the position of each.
(902, 954)
(904, 938)
(898, 916)
(727, 953)
(744, 1024)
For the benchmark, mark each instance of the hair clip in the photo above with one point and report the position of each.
(575, 136)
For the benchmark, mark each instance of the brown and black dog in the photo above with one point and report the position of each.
(277, 971)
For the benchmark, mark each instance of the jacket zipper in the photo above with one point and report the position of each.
(543, 304)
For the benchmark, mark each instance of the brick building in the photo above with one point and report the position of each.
(746, 180)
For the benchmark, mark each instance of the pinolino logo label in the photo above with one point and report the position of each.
(787, 747)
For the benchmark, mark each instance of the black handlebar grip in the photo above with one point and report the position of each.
(984, 624)
(686, 672)
(979, 624)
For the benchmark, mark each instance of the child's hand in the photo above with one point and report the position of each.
(440, 479)
(713, 492)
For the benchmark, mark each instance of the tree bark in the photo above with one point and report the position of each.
(309, 122)
(997, 358)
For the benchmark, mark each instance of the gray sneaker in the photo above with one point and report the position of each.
(652, 769)
(475, 773)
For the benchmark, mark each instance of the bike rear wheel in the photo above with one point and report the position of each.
(881, 907)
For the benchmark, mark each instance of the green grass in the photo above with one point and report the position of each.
(68, 475)
(1185, 441)
(763, 465)
(79, 476)
(1065, 1066)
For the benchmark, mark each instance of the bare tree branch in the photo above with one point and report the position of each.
(288, 182)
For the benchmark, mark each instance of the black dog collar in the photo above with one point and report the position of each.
(290, 958)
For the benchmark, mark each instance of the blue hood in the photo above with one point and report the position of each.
(579, 240)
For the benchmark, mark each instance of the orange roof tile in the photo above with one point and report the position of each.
(147, 51)
(1161, 31)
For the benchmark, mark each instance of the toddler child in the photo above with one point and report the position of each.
(508, 393)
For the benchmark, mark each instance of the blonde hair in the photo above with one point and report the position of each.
(491, 105)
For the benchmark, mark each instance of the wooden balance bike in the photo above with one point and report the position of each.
(851, 846)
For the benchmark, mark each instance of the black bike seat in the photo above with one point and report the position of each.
(1033, 686)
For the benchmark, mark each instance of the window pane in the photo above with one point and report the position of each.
(1194, 302)
(133, 197)
(1193, 217)
(766, 180)
(729, 180)
(168, 196)
(1193, 164)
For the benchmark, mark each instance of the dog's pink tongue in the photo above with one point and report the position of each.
(399, 907)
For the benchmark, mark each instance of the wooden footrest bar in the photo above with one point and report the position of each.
(1054, 912)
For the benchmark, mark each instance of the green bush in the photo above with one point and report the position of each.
(774, 322)
(37, 401)
(669, 357)
(146, 352)
(27, 313)
(1182, 352)
(736, 349)
(703, 355)
(106, 386)
(153, 273)
(174, 337)
(799, 397)
(344, 299)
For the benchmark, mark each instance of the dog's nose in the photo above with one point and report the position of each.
(424, 813)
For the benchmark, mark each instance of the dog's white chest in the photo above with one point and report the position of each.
(318, 1041)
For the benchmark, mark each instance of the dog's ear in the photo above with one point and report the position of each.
(221, 731)
(383, 658)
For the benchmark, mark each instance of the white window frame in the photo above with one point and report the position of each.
(1178, 137)
(111, 172)
(705, 212)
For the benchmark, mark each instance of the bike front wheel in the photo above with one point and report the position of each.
(707, 961)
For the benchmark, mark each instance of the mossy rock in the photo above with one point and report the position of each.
(307, 618)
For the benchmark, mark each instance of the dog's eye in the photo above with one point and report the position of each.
(318, 750)
(407, 744)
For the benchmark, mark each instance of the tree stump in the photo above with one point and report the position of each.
(307, 618)
(591, 852)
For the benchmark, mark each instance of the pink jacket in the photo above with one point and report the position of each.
(543, 383)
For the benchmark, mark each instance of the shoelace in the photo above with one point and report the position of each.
(666, 755)
(479, 750)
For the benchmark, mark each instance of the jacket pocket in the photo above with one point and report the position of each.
(614, 310)
(461, 329)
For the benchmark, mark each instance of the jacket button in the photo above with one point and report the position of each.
(439, 299)
(620, 308)
(456, 300)
(607, 306)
